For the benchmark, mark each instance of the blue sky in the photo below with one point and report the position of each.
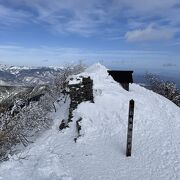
(126, 33)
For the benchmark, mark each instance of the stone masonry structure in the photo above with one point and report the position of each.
(80, 92)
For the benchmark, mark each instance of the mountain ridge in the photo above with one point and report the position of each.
(100, 151)
(22, 75)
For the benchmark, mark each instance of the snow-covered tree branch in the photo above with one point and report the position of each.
(165, 88)
(28, 116)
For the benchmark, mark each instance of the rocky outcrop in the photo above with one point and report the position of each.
(79, 92)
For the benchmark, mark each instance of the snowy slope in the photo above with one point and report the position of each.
(100, 152)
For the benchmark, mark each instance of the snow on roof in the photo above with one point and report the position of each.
(75, 80)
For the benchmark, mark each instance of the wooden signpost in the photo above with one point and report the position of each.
(130, 128)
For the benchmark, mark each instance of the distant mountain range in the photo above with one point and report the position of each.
(30, 76)
(21, 75)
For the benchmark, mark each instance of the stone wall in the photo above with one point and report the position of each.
(83, 91)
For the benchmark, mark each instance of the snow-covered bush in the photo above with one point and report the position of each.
(28, 117)
(165, 88)
(22, 125)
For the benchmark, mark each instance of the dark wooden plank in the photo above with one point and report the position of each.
(130, 128)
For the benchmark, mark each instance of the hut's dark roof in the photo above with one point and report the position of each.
(121, 76)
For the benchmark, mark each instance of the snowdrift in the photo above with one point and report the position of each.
(100, 152)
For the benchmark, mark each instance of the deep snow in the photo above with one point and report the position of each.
(100, 152)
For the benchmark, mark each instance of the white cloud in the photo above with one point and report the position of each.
(86, 17)
(149, 34)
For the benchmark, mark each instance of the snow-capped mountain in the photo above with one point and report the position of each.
(100, 151)
(21, 75)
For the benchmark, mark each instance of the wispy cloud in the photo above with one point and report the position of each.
(53, 56)
(169, 65)
(9, 16)
(149, 33)
(87, 17)
(82, 17)
(175, 43)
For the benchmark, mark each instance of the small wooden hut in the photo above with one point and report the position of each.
(122, 77)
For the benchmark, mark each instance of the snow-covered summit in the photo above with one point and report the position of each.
(13, 68)
(97, 68)
(100, 152)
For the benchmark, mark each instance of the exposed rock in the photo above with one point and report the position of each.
(63, 125)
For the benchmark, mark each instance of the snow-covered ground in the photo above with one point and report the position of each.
(100, 152)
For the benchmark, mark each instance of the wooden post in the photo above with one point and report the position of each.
(130, 128)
